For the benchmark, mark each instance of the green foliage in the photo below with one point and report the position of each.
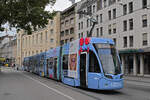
(25, 14)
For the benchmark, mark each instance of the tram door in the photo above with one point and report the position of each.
(55, 68)
(83, 70)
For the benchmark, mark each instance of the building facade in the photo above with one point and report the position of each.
(68, 25)
(8, 48)
(127, 22)
(40, 40)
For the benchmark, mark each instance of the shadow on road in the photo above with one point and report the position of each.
(106, 92)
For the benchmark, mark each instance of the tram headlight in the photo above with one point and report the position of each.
(109, 76)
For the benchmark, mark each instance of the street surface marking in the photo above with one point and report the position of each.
(69, 97)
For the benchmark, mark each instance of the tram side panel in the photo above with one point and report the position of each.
(70, 63)
(52, 68)
(42, 63)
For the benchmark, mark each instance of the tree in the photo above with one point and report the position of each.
(25, 14)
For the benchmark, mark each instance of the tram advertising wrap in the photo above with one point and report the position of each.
(87, 62)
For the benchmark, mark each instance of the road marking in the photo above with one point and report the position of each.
(69, 97)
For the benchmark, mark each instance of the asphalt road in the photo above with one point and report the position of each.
(15, 85)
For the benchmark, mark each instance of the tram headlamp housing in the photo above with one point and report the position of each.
(109, 76)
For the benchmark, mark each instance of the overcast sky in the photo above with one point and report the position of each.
(59, 6)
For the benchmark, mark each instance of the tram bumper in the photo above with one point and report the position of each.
(111, 84)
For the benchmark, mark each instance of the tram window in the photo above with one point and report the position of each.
(65, 62)
(55, 62)
(93, 63)
(50, 63)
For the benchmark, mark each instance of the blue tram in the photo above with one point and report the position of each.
(88, 62)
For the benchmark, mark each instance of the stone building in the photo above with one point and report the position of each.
(127, 22)
(68, 25)
(40, 40)
(8, 48)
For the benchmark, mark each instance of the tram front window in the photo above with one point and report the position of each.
(109, 58)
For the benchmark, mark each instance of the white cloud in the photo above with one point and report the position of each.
(60, 5)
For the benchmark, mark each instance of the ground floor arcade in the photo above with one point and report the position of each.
(137, 64)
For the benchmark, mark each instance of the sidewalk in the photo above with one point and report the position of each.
(137, 79)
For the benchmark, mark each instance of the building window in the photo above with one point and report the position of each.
(71, 20)
(144, 3)
(82, 34)
(52, 31)
(71, 39)
(105, 3)
(66, 32)
(125, 42)
(114, 13)
(45, 36)
(89, 9)
(109, 14)
(62, 24)
(80, 16)
(79, 35)
(109, 29)
(40, 50)
(144, 20)
(52, 40)
(66, 23)
(87, 21)
(130, 7)
(79, 26)
(32, 39)
(22, 42)
(41, 37)
(101, 31)
(72, 31)
(51, 22)
(125, 25)
(145, 39)
(87, 32)
(130, 24)
(97, 32)
(110, 2)
(131, 41)
(101, 18)
(99, 4)
(62, 33)
(93, 8)
(114, 28)
(97, 18)
(67, 41)
(125, 9)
